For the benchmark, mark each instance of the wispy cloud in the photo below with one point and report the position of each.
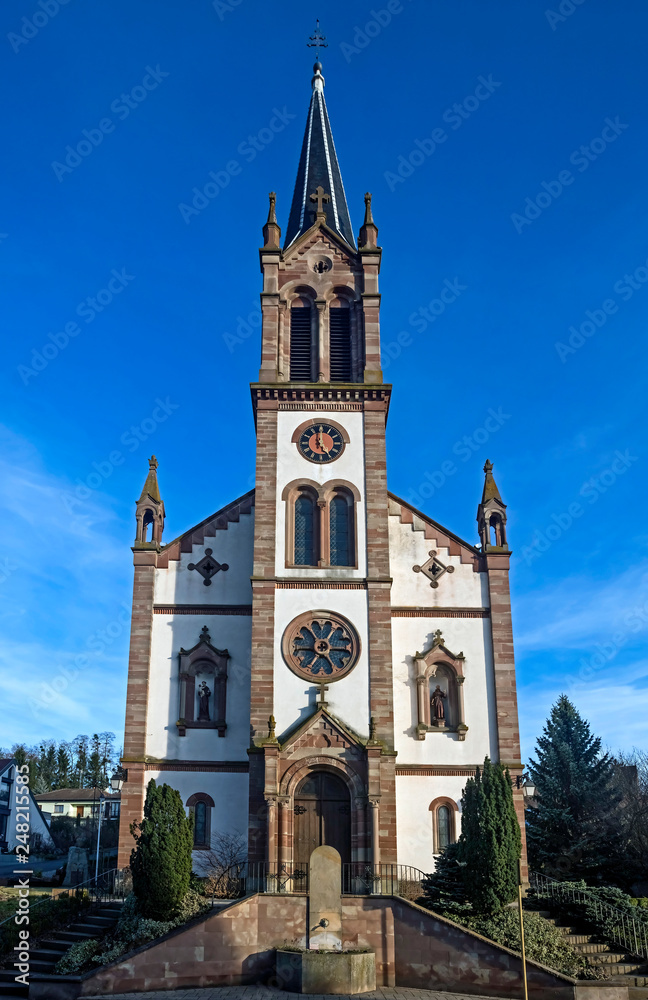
(64, 579)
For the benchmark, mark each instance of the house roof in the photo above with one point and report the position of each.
(5, 762)
(75, 795)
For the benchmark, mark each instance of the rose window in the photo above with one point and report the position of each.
(321, 646)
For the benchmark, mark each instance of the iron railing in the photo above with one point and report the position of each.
(621, 928)
(362, 878)
(247, 877)
(107, 887)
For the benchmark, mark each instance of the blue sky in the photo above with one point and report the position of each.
(466, 121)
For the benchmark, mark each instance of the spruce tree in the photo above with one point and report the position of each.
(573, 830)
(444, 889)
(96, 768)
(63, 763)
(490, 842)
(161, 861)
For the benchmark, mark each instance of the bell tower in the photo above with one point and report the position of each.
(321, 580)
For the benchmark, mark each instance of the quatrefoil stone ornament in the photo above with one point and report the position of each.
(208, 567)
(433, 569)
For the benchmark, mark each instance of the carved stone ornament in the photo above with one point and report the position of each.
(208, 567)
(433, 569)
(321, 646)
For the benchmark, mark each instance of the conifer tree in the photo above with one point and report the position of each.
(63, 763)
(490, 842)
(573, 831)
(161, 861)
(96, 767)
(444, 889)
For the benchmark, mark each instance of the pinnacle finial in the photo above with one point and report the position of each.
(490, 486)
(369, 229)
(153, 463)
(368, 219)
(272, 215)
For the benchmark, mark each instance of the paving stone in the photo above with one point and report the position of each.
(265, 993)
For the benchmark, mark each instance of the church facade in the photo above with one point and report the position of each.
(319, 662)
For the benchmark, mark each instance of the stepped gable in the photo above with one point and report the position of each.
(444, 539)
(219, 521)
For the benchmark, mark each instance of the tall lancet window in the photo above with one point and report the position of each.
(340, 341)
(301, 361)
(340, 533)
(305, 531)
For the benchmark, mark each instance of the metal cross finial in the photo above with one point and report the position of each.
(321, 197)
(317, 40)
(323, 688)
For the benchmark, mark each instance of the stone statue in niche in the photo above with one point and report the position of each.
(437, 706)
(203, 703)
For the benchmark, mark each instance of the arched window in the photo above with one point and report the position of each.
(200, 806)
(301, 361)
(148, 521)
(305, 531)
(340, 341)
(340, 531)
(443, 826)
(200, 823)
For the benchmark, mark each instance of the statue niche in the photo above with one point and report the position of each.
(439, 676)
(199, 666)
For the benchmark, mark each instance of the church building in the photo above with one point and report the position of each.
(318, 662)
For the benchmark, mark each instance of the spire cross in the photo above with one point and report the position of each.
(323, 688)
(321, 197)
(317, 40)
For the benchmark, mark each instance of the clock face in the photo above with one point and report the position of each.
(321, 442)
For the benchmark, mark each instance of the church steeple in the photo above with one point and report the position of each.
(319, 167)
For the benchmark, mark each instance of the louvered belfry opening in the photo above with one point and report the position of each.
(340, 343)
(300, 344)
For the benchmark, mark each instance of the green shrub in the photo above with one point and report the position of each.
(76, 957)
(161, 861)
(48, 915)
(544, 942)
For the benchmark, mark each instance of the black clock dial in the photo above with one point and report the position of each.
(320, 443)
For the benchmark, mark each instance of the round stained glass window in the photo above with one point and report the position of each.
(321, 646)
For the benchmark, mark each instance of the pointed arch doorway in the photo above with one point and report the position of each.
(322, 816)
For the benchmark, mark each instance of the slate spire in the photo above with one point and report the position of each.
(318, 167)
(491, 491)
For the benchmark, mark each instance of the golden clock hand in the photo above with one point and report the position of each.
(320, 441)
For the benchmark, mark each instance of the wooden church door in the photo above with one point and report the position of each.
(322, 816)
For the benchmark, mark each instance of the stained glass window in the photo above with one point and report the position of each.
(340, 535)
(200, 823)
(443, 827)
(305, 531)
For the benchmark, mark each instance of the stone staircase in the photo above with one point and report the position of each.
(52, 947)
(622, 969)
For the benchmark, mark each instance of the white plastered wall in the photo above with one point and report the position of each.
(347, 698)
(414, 794)
(291, 465)
(230, 795)
(171, 632)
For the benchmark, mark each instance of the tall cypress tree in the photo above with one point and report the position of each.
(161, 861)
(573, 831)
(490, 842)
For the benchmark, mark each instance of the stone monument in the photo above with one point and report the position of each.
(76, 870)
(324, 967)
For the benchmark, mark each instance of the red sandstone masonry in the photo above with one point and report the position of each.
(132, 807)
(414, 948)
